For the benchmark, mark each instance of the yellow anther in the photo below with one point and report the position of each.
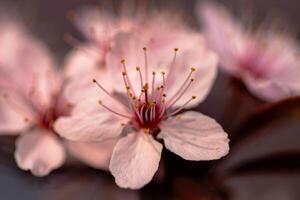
(146, 86)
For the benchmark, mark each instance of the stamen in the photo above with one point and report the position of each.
(146, 87)
(109, 109)
(153, 84)
(104, 90)
(181, 107)
(141, 77)
(125, 74)
(146, 64)
(171, 103)
(183, 85)
(172, 64)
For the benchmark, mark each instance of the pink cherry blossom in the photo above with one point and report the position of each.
(103, 30)
(155, 87)
(31, 100)
(267, 61)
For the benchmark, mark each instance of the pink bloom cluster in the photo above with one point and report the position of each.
(133, 84)
(32, 100)
(118, 98)
(267, 61)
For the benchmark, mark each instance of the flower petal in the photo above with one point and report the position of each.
(93, 126)
(135, 159)
(27, 67)
(230, 42)
(81, 68)
(10, 120)
(94, 154)
(39, 151)
(194, 136)
(268, 90)
(205, 63)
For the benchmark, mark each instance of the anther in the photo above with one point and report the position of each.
(153, 73)
(137, 68)
(124, 73)
(193, 69)
(175, 49)
(122, 61)
(144, 48)
(193, 97)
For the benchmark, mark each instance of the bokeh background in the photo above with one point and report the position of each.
(264, 162)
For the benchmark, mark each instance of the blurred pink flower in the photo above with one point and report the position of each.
(267, 61)
(31, 100)
(140, 105)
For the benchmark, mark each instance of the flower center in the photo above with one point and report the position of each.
(151, 105)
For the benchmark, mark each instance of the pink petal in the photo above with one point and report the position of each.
(26, 64)
(94, 154)
(268, 90)
(135, 159)
(81, 67)
(194, 136)
(98, 125)
(205, 63)
(224, 35)
(81, 60)
(39, 151)
(10, 121)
